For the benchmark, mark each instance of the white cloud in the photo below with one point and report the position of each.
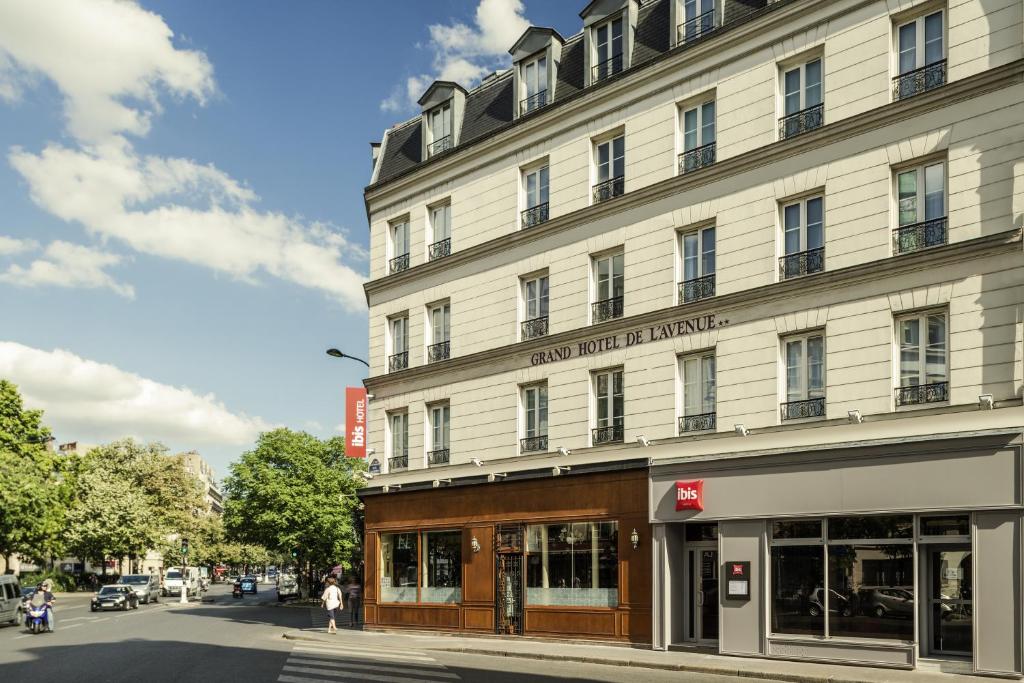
(98, 402)
(10, 246)
(463, 53)
(69, 265)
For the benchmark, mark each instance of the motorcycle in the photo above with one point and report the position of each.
(35, 619)
(236, 590)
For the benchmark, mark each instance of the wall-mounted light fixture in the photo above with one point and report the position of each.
(474, 545)
(387, 487)
(741, 429)
(634, 538)
(370, 451)
(437, 482)
(494, 476)
(855, 416)
(986, 402)
(557, 470)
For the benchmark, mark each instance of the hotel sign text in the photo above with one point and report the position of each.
(641, 335)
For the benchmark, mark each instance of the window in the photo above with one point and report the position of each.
(535, 190)
(698, 399)
(398, 575)
(698, 251)
(609, 407)
(805, 377)
(399, 246)
(440, 129)
(924, 360)
(442, 566)
(921, 56)
(399, 358)
(572, 564)
(441, 227)
(698, 20)
(398, 458)
(535, 419)
(803, 238)
(440, 333)
(535, 301)
(440, 417)
(802, 107)
(611, 169)
(698, 124)
(608, 45)
(609, 287)
(534, 75)
(921, 196)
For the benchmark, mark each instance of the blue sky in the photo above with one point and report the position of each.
(182, 230)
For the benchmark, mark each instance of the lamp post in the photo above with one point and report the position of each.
(184, 574)
(338, 354)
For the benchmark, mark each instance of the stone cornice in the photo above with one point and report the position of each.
(894, 112)
(933, 258)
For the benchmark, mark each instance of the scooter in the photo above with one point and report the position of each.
(236, 590)
(35, 619)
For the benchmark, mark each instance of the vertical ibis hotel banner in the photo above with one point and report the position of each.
(355, 422)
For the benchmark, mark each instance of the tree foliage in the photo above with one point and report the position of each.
(111, 518)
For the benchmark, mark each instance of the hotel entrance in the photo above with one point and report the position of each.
(950, 607)
(701, 571)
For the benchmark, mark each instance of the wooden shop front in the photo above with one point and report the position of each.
(541, 556)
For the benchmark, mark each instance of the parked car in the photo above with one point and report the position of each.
(287, 587)
(248, 583)
(837, 604)
(146, 586)
(887, 602)
(11, 598)
(173, 581)
(117, 596)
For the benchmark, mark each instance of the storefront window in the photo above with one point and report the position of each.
(953, 525)
(398, 577)
(442, 566)
(895, 526)
(798, 580)
(871, 591)
(801, 528)
(573, 563)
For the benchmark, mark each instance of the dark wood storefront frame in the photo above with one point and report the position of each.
(477, 510)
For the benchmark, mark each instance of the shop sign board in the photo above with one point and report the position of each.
(355, 422)
(737, 580)
(690, 495)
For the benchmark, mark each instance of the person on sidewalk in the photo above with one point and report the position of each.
(332, 602)
(355, 595)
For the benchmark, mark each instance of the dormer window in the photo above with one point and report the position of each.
(534, 75)
(536, 56)
(608, 44)
(440, 128)
(698, 20)
(443, 106)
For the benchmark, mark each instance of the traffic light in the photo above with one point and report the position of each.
(295, 553)
(184, 546)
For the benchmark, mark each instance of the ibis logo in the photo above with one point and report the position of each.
(690, 495)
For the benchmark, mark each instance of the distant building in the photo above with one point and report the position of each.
(201, 470)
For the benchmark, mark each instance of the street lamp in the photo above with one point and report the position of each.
(338, 354)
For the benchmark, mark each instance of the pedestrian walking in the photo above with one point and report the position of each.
(332, 602)
(355, 596)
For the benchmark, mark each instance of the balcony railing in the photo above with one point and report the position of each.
(399, 462)
(917, 236)
(533, 102)
(440, 145)
(798, 410)
(802, 121)
(439, 351)
(607, 68)
(697, 288)
(698, 157)
(920, 80)
(695, 28)
(609, 309)
(535, 215)
(705, 422)
(802, 263)
(400, 263)
(612, 187)
(609, 434)
(535, 327)
(398, 361)
(440, 249)
(936, 392)
(438, 456)
(533, 444)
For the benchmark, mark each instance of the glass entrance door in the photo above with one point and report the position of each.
(950, 600)
(702, 594)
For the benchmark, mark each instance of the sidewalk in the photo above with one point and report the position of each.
(614, 655)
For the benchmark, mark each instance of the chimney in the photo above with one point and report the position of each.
(374, 153)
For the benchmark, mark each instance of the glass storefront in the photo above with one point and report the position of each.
(398, 577)
(572, 564)
(435, 578)
(442, 566)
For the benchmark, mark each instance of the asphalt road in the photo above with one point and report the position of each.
(241, 640)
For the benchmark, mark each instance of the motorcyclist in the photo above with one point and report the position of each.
(44, 596)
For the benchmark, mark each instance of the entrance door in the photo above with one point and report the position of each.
(508, 579)
(702, 594)
(950, 600)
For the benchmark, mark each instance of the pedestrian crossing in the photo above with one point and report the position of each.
(318, 619)
(318, 662)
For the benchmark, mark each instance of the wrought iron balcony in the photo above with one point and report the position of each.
(698, 157)
(802, 121)
(917, 236)
(695, 28)
(399, 462)
(607, 68)
(400, 263)
(535, 327)
(533, 102)
(697, 288)
(609, 434)
(535, 215)
(612, 187)
(802, 263)
(438, 456)
(705, 422)
(398, 361)
(609, 309)
(936, 392)
(532, 444)
(440, 145)
(798, 410)
(439, 351)
(440, 249)
(920, 80)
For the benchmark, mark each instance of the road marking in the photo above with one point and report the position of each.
(366, 654)
(99, 619)
(435, 671)
(77, 619)
(399, 677)
(72, 626)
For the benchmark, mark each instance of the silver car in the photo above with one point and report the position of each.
(146, 586)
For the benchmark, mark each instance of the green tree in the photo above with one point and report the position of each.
(110, 518)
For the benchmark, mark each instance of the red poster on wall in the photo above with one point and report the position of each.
(355, 422)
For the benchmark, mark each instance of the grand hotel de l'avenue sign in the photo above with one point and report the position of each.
(635, 337)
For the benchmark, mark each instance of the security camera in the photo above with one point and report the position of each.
(563, 451)
(366, 475)
(370, 397)
(986, 402)
(741, 429)
(643, 441)
(478, 462)
(370, 451)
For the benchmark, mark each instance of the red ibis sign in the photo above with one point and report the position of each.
(355, 422)
(690, 495)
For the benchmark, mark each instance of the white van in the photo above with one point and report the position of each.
(10, 599)
(173, 581)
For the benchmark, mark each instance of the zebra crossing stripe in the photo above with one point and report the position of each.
(366, 654)
(432, 670)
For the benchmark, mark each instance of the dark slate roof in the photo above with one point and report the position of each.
(569, 79)
(487, 108)
(402, 151)
(652, 31)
